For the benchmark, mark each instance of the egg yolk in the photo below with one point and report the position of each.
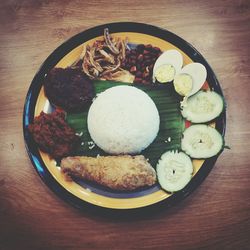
(165, 73)
(183, 84)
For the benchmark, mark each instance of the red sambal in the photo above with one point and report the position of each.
(53, 135)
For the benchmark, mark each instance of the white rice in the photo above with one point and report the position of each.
(123, 120)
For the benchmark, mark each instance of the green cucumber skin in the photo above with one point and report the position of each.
(185, 145)
(188, 115)
(162, 166)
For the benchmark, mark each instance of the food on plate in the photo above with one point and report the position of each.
(69, 89)
(190, 79)
(201, 141)
(174, 171)
(140, 62)
(53, 135)
(167, 65)
(123, 120)
(204, 106)
(116, 172)
(103, 59)
(121, 75)
(111, 45)
(183, 84)
(165, 73)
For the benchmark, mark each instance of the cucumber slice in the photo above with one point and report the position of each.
(174, 171)
(203, 107)
(201, 141)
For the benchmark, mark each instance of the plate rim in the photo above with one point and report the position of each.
(57, 55)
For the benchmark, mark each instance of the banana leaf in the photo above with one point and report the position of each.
(171, 121)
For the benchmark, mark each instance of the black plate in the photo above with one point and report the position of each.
(57, 55)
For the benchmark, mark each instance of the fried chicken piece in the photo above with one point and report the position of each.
(116, 172)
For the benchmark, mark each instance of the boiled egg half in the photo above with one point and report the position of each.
(190, 79)
(167, 66)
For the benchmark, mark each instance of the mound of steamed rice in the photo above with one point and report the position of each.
(123, 120)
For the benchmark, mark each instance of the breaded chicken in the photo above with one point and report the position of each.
(116, 172)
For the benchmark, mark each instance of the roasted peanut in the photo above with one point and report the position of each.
(148, 47)
(156, 49)
(140, 48)
(140, 58)
(148, 56)
(133, 52)
(138, 74)
(146, 52)
(133, 57)
(145, 82)
(140, 62)
(138, 80)
(133, 69)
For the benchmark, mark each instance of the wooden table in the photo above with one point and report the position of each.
(215, 216)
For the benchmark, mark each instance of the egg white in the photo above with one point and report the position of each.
(198, 73)
(172, 57)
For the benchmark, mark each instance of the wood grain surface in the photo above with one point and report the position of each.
(215, 216)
